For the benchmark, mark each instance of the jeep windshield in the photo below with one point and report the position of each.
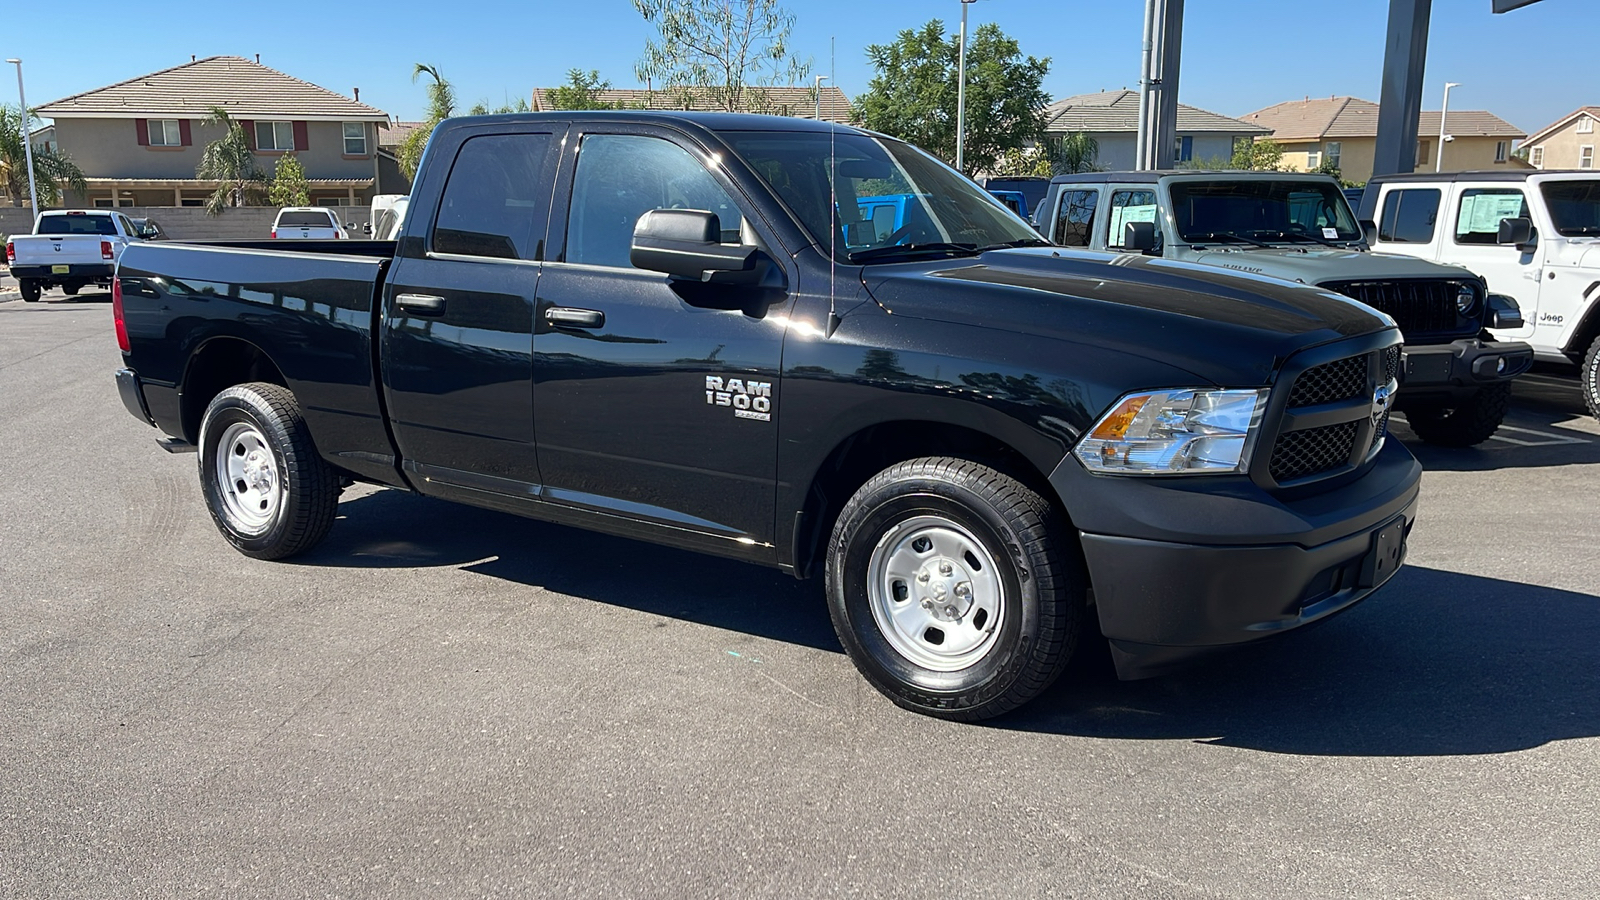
(1256, 211)
(1574, 206)
(881, 200)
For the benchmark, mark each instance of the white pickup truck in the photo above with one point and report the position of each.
(71, 248)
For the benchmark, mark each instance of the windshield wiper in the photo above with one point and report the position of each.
(1579, 230)
(1226, 235)
(881, 253)
(1291, 235)
(1012, 245)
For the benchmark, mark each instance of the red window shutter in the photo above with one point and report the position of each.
(249, 132)
(185, 136)
(301, 140)
(141, 128)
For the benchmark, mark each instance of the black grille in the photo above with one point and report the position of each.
(1302, 453)
(1418, 307)
(1341, 379)
(1391, 362)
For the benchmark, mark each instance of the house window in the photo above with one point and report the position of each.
(1536, 157)
(1586, 156)
(1185, 148)
(165, 133)
(274, 135)
(355, 138)
(1585, 125)
(1313, 160)
(1423, 156)
(1335, 148)
(1500, 148)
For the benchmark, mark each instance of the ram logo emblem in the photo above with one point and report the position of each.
(749, 399)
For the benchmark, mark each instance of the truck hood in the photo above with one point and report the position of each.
(1227, 328)
(1317, 264)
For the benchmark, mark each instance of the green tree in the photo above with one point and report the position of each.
(1262, 154)
(582, 91)
(441, 106)
(1072, 153)
(289, 185)
(726, 50)
(913, 95)
(230, 161)
(51, 168)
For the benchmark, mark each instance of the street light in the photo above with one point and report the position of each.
(817, 88)
(961, 92)
(27, 141)
(1438, 164)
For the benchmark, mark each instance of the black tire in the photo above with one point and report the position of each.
(31, 291)
(1463, 423)
(266, 417)
(71, 288)
(1039, 606)
(1589, 378)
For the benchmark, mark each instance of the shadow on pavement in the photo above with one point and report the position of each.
(1438, 663)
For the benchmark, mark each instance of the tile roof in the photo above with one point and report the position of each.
(1352, 117)
(1592, 112)
(797, 101)
(245, 89)
(1111, 111)
(396, 133)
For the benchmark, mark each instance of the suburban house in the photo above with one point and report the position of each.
(800, 102)
(1112, 119)
(1344, 131)
(1566, 143)
(138, 142)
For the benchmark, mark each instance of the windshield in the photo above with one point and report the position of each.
(67, 223)
(1263, 210)
(1574, 206)
(305, 219)
(881, 200)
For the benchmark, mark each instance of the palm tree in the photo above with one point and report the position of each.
(51, 168)
(441, 106)
(1073, 153)
(230, 160)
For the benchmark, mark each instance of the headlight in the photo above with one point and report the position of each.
(1466, 297)
(1182, 432)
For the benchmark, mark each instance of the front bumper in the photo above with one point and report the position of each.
(1462, 366)
(132, 393)
(74, 271)
(1181, 571)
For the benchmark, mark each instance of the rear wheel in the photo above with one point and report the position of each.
(31, 290)
(1590, 378)
(268, 491)
(1461, 423)
(950, 588)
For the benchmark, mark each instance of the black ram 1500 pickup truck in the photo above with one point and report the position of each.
(698, 330)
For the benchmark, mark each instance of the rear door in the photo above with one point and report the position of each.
(457, 352)
(655, 400)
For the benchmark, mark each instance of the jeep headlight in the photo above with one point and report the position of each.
(1181, 432)
(1466, 297)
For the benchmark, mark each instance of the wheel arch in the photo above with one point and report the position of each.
(1584, 333)
(214, 366)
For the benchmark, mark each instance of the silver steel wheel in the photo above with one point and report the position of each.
(247, 478)
(935, 593)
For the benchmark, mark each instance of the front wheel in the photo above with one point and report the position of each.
(31, 289)
(951, 590)
(1461, 423)
(1590, 378)
(268, 491)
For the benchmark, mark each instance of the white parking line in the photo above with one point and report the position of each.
(1546, 438)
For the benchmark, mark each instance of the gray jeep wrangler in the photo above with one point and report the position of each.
(1298, 227)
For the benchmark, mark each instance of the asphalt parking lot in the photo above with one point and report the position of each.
(447, 702)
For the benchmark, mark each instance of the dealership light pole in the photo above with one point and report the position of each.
(1438, 164)
(961, 92)
(27, 140)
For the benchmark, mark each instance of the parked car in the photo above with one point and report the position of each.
(1298, 227)
(1016, 201)
(1534, 235)
(148, 229)
(70, 248)
(1032, 188)
(388, 212)
(309, 223)
(987, 446)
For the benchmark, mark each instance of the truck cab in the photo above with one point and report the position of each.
(1299, 227)
(1533, 235)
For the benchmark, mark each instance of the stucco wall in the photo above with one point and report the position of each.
(189, 223)
(109, 148)
(1357, 155)
(1118, 150)
(1561, 148)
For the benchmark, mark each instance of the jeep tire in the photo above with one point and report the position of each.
(1461, 423)
(1589, 378)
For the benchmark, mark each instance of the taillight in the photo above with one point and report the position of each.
(11, 252)
(105, 250)
(116, 314)
(274, 234)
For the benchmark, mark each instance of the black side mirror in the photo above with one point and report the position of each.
(1504, 311)
(1515, 231)
(1369, 231)
(687, 243)
(1139, 237)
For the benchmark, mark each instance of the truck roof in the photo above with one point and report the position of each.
(1152, 177)
(1481, 175)
(711, 121)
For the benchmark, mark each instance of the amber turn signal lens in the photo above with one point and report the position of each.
(1114, 427)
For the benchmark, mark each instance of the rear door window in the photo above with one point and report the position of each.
(1130, 206)
(1075, 220)
(1408, 216)
(495, 200)
(1481, 211)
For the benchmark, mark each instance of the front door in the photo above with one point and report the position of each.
(655, 400)
(458, 316)
(1470, 241)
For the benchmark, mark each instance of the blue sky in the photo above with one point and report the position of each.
(1529, 67)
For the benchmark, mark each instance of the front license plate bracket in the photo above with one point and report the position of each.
(1388, 552)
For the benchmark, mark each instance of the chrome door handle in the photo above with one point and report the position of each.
(575, 318)
(420, 304)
